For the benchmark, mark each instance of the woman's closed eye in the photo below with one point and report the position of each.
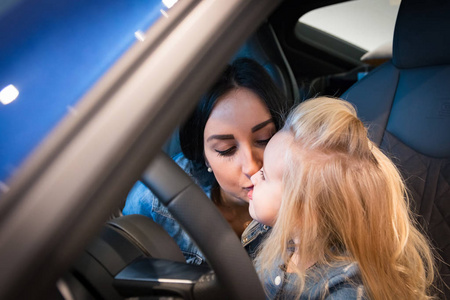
(230, 151)
(227, 152)
(263, 142)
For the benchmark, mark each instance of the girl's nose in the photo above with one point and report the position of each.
(254, 178)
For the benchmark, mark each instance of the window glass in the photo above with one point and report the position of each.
(366, 24)
(51, 53)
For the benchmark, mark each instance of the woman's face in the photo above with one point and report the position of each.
(235, 136)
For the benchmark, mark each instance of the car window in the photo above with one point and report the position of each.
(351, 28)
(51, 54)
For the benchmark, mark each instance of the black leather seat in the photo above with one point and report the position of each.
(406, 103)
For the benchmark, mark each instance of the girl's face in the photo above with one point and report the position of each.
(268, 188)
(235, 136)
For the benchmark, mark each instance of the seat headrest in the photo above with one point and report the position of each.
(421, 36)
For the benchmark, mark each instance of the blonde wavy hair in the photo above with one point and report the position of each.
(344, 200)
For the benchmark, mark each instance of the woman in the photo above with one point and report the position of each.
(342, 226)
(222, 147)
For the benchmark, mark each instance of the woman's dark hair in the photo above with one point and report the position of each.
(245, 73)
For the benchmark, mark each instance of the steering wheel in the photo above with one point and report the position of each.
(162, 270)
(196, 213)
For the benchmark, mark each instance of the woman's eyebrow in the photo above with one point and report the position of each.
(230, 136)
(261, 125)
(220, 137)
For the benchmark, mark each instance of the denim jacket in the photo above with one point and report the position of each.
(141, 201)
(338, 281)
(252, 237)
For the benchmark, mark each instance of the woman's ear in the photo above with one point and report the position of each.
(208, 166)
(206, 160)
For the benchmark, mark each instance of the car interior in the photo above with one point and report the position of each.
(383, 100)
(404, 101)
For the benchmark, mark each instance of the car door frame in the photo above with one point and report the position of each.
(66, 190)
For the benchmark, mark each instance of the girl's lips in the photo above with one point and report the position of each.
(250, 191)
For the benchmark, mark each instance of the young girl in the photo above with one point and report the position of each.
(342, 228)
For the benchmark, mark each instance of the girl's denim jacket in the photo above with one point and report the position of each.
(141, 201)
(252, 237)
(337, 281)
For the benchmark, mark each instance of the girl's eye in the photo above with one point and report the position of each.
(227, 152)
(261, 172)
(263, 142)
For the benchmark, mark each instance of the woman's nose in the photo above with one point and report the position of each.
(252, 162)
